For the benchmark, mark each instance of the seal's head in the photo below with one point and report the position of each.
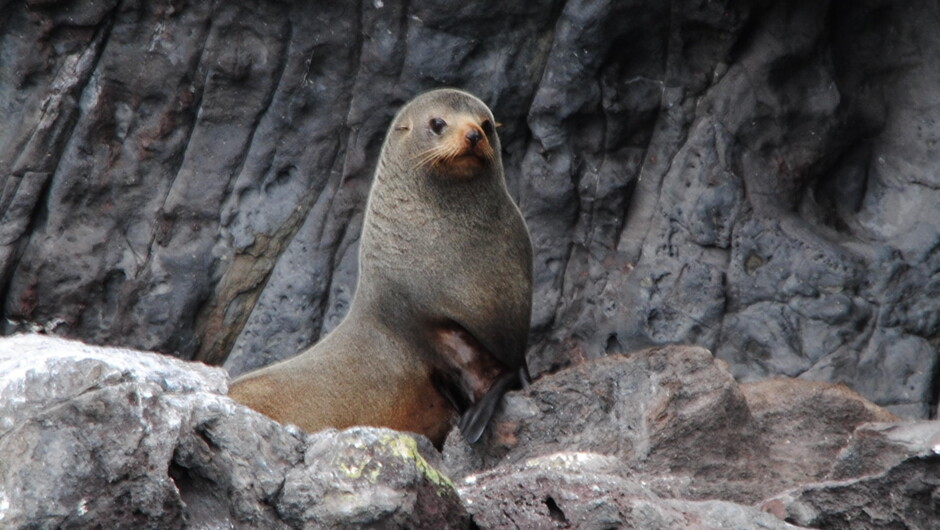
(449, 132)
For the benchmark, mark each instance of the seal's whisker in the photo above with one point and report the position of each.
(454, 150)
(444, 153)
(424, 158)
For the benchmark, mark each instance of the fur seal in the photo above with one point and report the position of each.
(439, 322)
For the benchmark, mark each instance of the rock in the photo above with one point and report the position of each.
(878, 447)
(88, 433)
(677, 420)
(905, 496)
(100, 436)
(588, 490)
(669, 409)
(806, 424)
(369, 477)
(756, 178)
(662, 438)
(887, 476)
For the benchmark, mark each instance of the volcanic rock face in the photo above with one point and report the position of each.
(759, 178)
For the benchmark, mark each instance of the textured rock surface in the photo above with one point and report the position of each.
(119, 438)
(668, 427)
(677, 420)
(887, 477)
(905, 496)
(587, 490)
(806, 424)
(877, 447)
(129, 439)
(671, 410)
(759, 178)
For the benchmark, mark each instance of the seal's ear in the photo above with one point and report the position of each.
(403, 126)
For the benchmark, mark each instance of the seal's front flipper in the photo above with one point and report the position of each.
(524, 378)
(473, 422)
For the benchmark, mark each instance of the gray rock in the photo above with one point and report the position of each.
(668, 409)
(878, 447)
(757, 178)
(662, 438)
(677, 420)
(97, 436)
(88, 433)
(588, 490)
(904, 496)
(886, 476)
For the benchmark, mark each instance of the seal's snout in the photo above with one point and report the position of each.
(473, 136)
(469, 141)
(461, 143)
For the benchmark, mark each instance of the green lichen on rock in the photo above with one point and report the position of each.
(369, 443)
(406, 448)
(358, 470)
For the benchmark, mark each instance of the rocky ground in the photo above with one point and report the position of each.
(757, 177)
(658, 438)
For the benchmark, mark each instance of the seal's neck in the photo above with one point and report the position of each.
(409, 202)
(419, 226)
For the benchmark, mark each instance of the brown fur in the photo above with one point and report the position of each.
(442, 308)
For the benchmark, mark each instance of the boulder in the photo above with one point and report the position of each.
(589, 490)
(887, 476)
(806, 424)
(673, 411)
(117, 438)
(907, 495)
(674, 416)
(878, 447)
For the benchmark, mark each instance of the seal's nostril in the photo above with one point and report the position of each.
(474, 136)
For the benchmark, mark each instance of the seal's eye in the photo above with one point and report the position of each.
(437, 125)
(487, 127)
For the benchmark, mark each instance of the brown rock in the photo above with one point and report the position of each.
(877, 447)
(807, 423)
(588, 490)
(675, 416)
(671, 410)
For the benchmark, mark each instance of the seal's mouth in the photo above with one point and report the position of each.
(469, 158)
(465, 164)
(462, 166)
